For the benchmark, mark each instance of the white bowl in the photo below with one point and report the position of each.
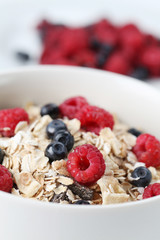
(135, 103)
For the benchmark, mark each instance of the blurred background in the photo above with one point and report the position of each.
(113, 45)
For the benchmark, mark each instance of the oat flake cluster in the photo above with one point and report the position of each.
(36, 178)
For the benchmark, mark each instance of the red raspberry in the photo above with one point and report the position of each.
(108, 36)
(130, 36)
(102, 25)
(52, 38)
(85, 57)
(71, 106)
(86, 164)
(6, 181)
(73, 40)
(50, 57)
(117, 63)
(93, 119)
(105, 32)
(150, 40)
(129, 54)
(151, 190)
(130, 27)
(150, 58)
(64, 61)
(147, 150)
(9, 118)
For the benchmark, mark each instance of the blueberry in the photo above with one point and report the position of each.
(141, 73)
(2, 154)
(134, 132)
(106, 49)
(104, 53)
(55, 126)
(81, 202)
(94, 43)
(56, 151)
(144, 177)
(50, 109)
(23, 56)
(101, 59)
(66, 138)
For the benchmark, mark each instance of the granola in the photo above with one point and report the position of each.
(35, 177)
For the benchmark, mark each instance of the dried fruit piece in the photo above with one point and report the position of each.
(83, 192)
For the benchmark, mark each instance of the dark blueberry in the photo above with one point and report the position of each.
(56, 151)
(106, 49)
(134, 132)
(2, 154)
(104, 53)
(81, 202)
(55, 126)
(50, 109)
(101, 59)
(23, 56)
(66, 138)
(82, 191)
(141, 73)
(143, 176)
(95, 44)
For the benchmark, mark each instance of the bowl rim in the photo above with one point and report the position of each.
(49, 205)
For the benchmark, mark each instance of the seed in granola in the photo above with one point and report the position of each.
(55, 126)
(2, 154)
(81, 202)
(134, 132)
(83, 192)
(56, 151)
(50, 109)
(142, 177)
(66, 138)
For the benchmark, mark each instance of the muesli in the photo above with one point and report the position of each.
(76, 153)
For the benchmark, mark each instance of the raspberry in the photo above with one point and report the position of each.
(85, 57)
(9, 118)
(50, 57)
(150, 58)
(93, 119)
(71, 106)
(86, 164)
(102, 25)
(129, 53)
(150, 40)
(117, 63)
(130, 36)
(151, 190)
(73, 40)
(147, 150)
(108, 36)
(6, 181)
